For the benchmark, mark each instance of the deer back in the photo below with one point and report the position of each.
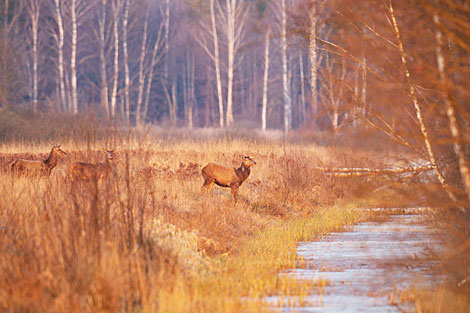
(30, 167)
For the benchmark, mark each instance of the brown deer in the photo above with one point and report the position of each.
(38, 167)
(226, 177)
(92, 171)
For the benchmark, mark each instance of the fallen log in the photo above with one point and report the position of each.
(349, 172)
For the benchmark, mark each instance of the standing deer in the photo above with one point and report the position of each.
(226, 177)
(38, 167)
(92, 171)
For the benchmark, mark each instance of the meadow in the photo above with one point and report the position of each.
(146, 240)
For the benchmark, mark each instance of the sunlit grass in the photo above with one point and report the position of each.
(153, 243)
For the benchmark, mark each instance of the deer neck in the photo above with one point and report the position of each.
(51, 160)
(243, 172)
(108, 164)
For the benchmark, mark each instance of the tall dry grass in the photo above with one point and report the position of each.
(145, 239)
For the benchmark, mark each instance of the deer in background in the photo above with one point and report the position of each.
(38, 167)
(226, 177)
(92, 171)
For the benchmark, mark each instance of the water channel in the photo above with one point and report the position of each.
(366, 267)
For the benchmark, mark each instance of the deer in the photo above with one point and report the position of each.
(92, 171)
(223, 176)
(38, 167)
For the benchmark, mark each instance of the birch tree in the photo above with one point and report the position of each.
(302, 86)
(265, 80)
(116, 7)
(141, 77)
(214, 55)
(155, 58)
(312, 53)
(102, 47)
(73, 56)
(59, 37)
(285, 82)
(125, 109)
(33, 9)
(451, 109)
(417, 106)
(189, 88)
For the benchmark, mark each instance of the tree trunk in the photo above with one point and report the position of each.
(217, 65)
(285, 81)
(73, 58)
(153, 63)
(417, 107)
(127, 104)
(265, 80)
(451, 111)
(167, 39)
(188, 87)
(302, 87)
(364, 85)
(104, 80)
(141, 79)
(34, 29)
(231, 4)
(173, 103)
(116, 8)
(60, 48)
(313, 57)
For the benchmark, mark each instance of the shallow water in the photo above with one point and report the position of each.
(366, 266)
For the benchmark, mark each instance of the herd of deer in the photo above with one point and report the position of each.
(212, 173)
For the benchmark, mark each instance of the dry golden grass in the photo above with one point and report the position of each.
(146, 240)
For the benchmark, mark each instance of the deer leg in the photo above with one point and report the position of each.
(234, 189)
(207, 186)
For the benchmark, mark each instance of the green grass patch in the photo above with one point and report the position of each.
(240, 281)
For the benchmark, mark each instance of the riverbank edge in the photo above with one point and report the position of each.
(241, 281)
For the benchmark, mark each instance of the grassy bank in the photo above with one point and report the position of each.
(241, 281)
(146, 240)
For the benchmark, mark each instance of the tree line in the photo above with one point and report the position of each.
(191, 63)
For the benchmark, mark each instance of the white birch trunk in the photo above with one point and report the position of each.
(167, 39)
(192, 94)
(73, 57)
(153, 63)
(34, 29)
(313, 57)
(116, 8)
(285, 81)
(173, 104)
(141, 78)
(302, 87)
(217, 65)
(364, 81)
(104, 79)
(417, 107)
(188, 87)
(127, 104)
(265, 81)
(231, 5)
(60, 48)
(451, 111)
